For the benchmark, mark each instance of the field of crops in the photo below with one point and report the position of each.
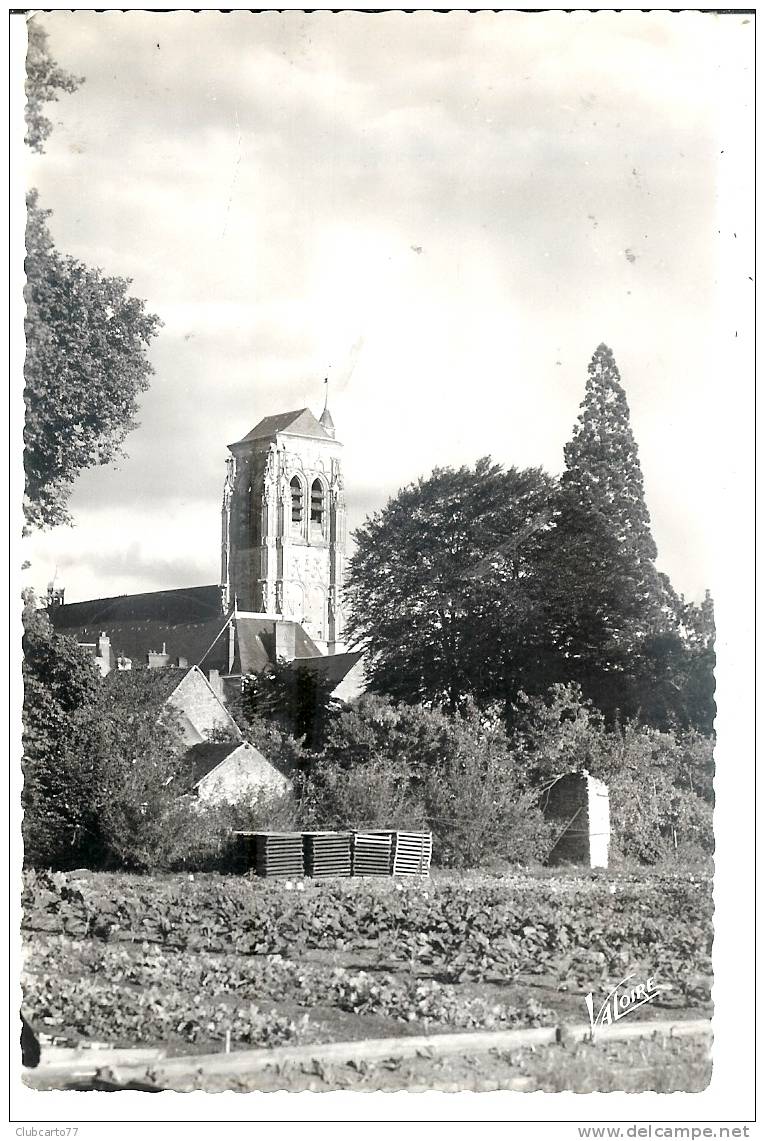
(187, 963)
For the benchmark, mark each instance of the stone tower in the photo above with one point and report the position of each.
(283, 541)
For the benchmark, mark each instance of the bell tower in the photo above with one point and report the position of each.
(283, 525)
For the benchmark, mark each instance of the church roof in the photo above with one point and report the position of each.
(260, 641)
(332, 667)
(200, 643)
(189, 604)
(327, 422)
(301, 422)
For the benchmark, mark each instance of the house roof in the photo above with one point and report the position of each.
(301, 422)
(203, 758)
(151, 687)
(189, 604)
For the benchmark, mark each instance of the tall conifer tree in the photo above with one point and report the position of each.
(602, 458)
(603, 475)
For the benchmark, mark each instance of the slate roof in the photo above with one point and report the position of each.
(202, 759)
(189, 604)
(263, 640)
(156, 685)
(200, 643)
(333, 667)
(301, 422)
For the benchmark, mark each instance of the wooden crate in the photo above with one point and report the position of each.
(411, 853)
(327, 853)
(275, 854)
(373, 853)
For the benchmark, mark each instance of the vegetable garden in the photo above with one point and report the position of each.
(189, 963)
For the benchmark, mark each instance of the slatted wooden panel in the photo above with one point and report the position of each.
(278, 854)
(327, 853)
(373, 853)
(411, 853)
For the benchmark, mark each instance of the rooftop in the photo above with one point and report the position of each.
(301, 422)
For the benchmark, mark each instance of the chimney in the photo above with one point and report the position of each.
(182, 663)
(124, 663)
(216, 685)
(156, 660)
(104, 653)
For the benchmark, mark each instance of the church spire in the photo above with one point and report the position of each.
(325, 419)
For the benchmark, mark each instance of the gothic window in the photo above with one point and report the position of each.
(317, 506)
(296, 491)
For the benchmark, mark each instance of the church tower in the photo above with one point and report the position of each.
(283, 533)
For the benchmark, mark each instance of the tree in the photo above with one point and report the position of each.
(294, 699)
(61, 688)
(43, 80)
(609, 620)
(436, 589)
(86, 338)
(602, 462)
(84, 369)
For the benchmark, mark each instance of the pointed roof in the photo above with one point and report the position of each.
(301, 422)
(327, 422)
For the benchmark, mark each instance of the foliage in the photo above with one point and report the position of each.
(97, 774)
(139, 759)
(374, 795)
(207, 984)
(475, 584)
(393, 765)
(213, 935)
(44, 80)
(61, 688)
(200, 835)
(294, 698)
(84, 369)
(475, 804)
(660, 784)
(108, 1003)
(602, 464)
(436, 583)
(609, 620)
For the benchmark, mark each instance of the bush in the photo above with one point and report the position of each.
(475, 803)
(200, 835)
(400, 766)
(660, 783)
(377, 794)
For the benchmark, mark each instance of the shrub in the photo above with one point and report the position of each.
(377, 794)
(660, 783)
(200, 835)
(475, 803)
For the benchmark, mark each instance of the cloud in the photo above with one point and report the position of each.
(264, 179)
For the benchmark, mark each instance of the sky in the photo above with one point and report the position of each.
(443, 214)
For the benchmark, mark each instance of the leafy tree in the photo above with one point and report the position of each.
(660, 784)
(436, 589)
(476, 805)
(86, 338)
(61, 688)
(85, 367)
(43, 80)
(98, 772)
(294, 699)
(139, 758)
